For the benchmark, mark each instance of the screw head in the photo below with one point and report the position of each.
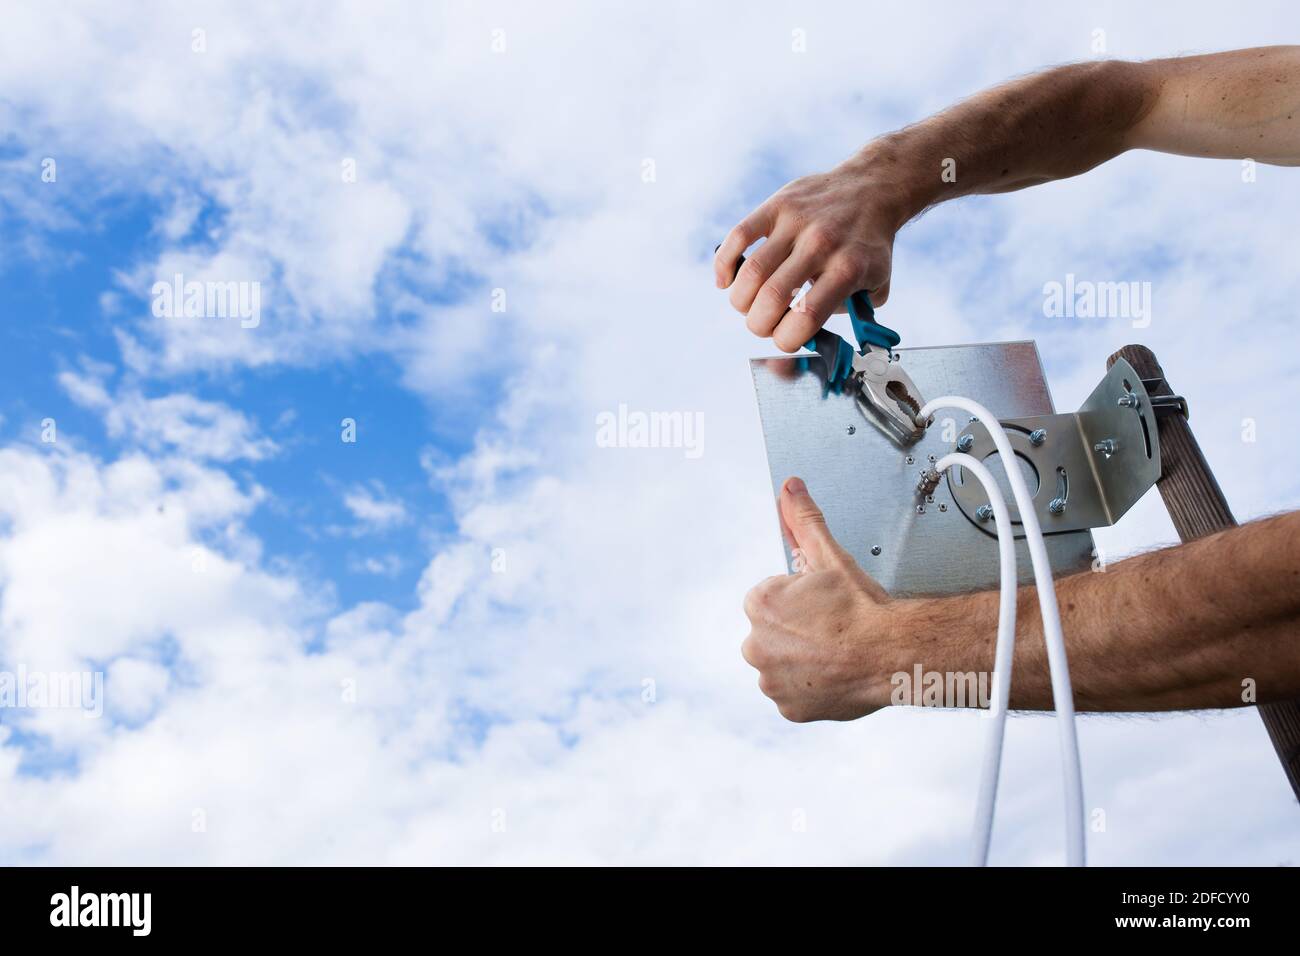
(1107, 446)
(910, 460)
(984, 512)
(875, 549)
(965, 443)
(1128, 400)
(1038, 436)
(1056, 506)
(943, 506)
(920, 509)
(852, 429)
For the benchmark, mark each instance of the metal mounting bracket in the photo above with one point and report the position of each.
(1086, 469)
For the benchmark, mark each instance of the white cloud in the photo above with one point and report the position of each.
(374, 508)
(387, 565)
(176, 422)
(576, 573)
(139, 686)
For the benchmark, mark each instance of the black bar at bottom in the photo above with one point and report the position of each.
(895, 907)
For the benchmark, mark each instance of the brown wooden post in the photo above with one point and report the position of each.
(1197, 507)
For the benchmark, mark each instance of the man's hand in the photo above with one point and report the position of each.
(818, 638)
(834, 229)
(837, 229)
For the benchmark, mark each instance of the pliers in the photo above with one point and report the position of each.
(883, 391)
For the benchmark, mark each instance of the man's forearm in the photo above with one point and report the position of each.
(1050, 125)
(1176, 629)
(1064, 121)
(1234, 105)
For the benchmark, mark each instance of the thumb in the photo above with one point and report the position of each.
(806, 527)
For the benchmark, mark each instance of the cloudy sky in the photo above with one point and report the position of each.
(472, 634)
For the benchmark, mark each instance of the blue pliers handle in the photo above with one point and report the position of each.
(865, 327)
(837, 353)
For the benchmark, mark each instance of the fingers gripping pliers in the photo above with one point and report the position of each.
(884, 392)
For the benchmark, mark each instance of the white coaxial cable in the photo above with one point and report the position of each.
(1062, 693)
(1003, 653)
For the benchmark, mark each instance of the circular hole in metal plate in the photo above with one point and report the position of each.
(999, 474)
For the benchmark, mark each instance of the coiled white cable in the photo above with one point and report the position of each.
(1062, 694)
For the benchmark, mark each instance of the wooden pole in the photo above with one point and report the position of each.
(1197, 507)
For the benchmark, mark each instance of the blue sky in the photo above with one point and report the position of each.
(302, 408)
(475, 635)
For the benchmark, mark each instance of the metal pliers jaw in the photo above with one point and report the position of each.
(886, 393)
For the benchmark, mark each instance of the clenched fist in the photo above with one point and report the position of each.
(822, 640)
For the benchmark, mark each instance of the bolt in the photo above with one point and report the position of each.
(984, 512)
(1056, 506)
(929, 481)
(972, 420)
(852, 429)
(875, 549)
(965, 443)
(1037, 436)
(1128, 400)
(1107, 446)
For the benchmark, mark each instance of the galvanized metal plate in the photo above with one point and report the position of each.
(866, 484)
